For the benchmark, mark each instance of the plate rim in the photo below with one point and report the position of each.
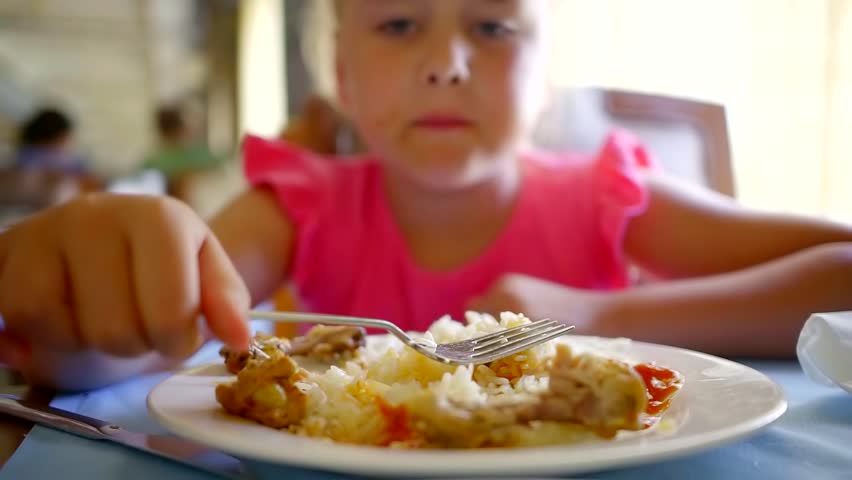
(662, 449)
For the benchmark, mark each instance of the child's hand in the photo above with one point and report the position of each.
(538, 299)
(123, 275)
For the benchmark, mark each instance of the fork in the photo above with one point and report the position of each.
(484, 349)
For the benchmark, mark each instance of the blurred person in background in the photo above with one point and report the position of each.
(46, 142)
(321, 129)
(180, 155)
(46, 168)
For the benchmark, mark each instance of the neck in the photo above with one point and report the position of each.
(446, 227)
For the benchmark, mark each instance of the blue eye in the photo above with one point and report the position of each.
(398, 27)
(494, 29)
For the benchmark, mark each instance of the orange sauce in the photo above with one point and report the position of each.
(397, 421)
(661, 383)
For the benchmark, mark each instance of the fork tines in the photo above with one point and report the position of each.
(502, 337)
(518, 339)
(256, 349)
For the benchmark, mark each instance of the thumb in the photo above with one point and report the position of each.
(225, 299)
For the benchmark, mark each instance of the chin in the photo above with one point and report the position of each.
(448, 177)
(445, 165)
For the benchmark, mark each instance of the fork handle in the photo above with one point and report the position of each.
(295, 317)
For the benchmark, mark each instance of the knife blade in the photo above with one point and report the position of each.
(171, 448)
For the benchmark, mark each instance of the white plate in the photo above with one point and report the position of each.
(721, 401)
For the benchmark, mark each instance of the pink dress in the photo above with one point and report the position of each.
(350, 257)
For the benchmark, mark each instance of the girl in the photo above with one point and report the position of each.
(447, 211)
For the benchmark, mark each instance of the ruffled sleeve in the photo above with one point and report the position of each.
(302, 181)
(622, 193)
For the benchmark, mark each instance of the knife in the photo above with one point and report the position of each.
(171, 448)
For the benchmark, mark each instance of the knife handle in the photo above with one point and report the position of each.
(54, 418)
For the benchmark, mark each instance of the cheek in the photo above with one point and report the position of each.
(509, 77)
(376, 107)
(374, 92)
(526, 85)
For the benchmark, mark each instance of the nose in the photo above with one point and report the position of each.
(448, 62)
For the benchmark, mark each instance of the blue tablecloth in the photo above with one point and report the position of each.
(813, 440)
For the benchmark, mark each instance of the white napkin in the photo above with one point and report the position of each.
(825, 349)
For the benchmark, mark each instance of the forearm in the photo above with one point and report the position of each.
(754, 312)
(687, 232)
(257, 237)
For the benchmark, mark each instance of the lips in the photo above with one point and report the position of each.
(442, 121)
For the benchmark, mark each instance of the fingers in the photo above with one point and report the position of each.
(224, 297)
(14, 352)
(175, 271)
(166, 238)
(504, 295)
(118, 275)
(102, 290)
(33, 299)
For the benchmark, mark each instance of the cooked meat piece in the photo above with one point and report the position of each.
(601, 393)
(271, 346)
(598, 392)
(324, 342)
(266, 391)
(321, 343)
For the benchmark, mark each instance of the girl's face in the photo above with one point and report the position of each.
(443, 90)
